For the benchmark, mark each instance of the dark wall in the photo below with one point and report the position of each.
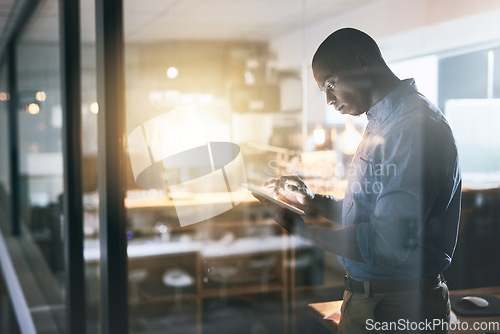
(476, 260)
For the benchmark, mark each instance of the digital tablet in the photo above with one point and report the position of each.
(262, 193)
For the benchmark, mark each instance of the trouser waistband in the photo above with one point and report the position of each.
(357, 286)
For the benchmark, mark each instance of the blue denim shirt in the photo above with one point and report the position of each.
(404, 190)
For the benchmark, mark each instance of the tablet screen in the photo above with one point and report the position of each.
(261, 192)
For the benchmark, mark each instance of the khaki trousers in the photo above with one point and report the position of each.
(425, 310)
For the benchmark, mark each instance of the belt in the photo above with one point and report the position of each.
(357, 286)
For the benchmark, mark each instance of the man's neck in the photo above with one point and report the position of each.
(383, 83)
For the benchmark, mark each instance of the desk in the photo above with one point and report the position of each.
(494, 291)
(320, 310)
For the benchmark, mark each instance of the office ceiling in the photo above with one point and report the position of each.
(227, 19)
(152, 20)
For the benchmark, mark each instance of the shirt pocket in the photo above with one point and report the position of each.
(364, 186)
(363, 174)
(367, 168)
(358, 190)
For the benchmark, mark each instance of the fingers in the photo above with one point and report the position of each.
(294, 196)
(294, 190)
(291, 187)
(271, 183)
(273, 187)
(291, 180)
(286, 183)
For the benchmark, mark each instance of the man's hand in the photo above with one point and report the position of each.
(293, 189)
(341, 241)
(287, 219)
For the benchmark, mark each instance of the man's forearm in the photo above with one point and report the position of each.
(327, 206)
(339, 241)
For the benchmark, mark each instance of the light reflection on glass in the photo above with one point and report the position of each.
(33, 108)
(40, 96)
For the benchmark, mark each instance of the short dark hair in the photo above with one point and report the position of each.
(344, 44)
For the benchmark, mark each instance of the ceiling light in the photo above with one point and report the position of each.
(94, 108)
(319, 136)
(33, 108)
(4, 96)
(350, 138)
(172, 72)
(40, 96)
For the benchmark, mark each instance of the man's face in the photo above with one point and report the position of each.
(347, 89)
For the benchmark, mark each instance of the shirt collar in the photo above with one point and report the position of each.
(382, 109)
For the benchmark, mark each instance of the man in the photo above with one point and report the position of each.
(401, 207)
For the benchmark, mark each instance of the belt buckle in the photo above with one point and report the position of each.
(347, 283)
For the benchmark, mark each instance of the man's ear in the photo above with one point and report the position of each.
(363, 61)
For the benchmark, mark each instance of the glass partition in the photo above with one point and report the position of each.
(4, 137)
(41, 165)
(90, 110)
(220, 95)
